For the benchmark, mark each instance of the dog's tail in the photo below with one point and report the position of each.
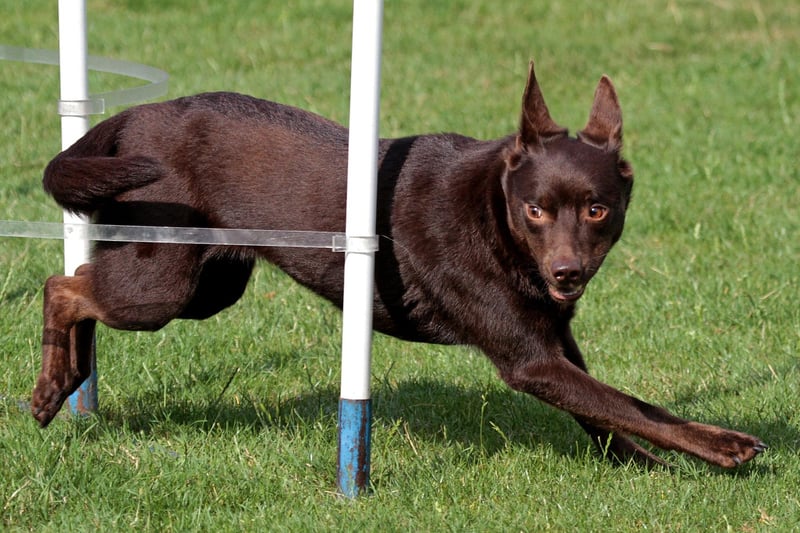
(89, 173)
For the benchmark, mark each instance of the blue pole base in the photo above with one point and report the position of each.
(83, 401)
(355, 420)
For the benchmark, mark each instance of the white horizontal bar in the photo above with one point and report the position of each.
(336, 242)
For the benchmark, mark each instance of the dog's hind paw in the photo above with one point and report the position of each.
(46, 403)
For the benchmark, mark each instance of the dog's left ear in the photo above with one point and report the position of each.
(536, 127)
(604, 128)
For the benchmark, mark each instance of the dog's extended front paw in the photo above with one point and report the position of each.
(727, 448)
(741, 448)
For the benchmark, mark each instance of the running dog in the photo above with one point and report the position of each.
(483, 243)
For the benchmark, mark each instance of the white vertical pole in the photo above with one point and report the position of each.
(355, 402)
(74, 72)
(73, 61)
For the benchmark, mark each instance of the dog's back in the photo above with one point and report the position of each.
(202, 146)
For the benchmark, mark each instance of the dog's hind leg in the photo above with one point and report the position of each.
(69, 319)
(133, 286)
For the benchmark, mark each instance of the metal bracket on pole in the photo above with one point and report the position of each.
(81, 108)
(362, 245)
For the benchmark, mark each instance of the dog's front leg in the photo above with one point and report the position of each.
(602, 408)
(66, 343)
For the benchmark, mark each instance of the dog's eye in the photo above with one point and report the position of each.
(598, 212)
(535, 212)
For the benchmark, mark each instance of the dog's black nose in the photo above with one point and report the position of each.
(566, 270)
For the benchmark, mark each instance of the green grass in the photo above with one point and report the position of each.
(696, 309)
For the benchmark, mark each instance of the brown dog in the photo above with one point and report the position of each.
(487, 243)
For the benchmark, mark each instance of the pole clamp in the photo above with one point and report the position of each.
(356, 244)
(81, 108)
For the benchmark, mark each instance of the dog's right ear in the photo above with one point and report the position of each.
(536, 127)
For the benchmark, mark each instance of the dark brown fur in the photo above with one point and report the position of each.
(486, 243)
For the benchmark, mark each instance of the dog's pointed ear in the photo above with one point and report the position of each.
(604, 128)
(536, 127)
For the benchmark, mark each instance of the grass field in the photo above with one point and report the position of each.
(230, 424)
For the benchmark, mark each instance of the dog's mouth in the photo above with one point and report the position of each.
(565, 295)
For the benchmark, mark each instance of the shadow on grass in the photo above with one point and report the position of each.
(429, 410)
(432, 411)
